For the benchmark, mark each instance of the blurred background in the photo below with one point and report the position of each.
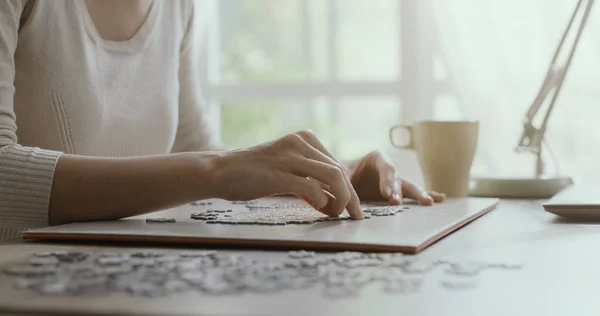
(350, 69)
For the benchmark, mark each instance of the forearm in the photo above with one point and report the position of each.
(89, 189)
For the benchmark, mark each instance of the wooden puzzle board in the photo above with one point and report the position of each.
(409, 232)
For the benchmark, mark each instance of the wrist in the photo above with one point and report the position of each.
(207, 172)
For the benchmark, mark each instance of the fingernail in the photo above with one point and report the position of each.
(428, 198)
(396, 197)
(388, 190)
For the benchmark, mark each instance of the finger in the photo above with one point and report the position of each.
(309, 190)
(329, 175)
(437, 197)
(324, 186)
(389, 180)
(314, 141)
(396, 198)
(390, 185)
(412, 191)
(329, 206)
(317, 151)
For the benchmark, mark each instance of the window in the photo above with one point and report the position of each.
(329, 65)
(349, 69)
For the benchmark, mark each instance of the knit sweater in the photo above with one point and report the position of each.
(70, 91)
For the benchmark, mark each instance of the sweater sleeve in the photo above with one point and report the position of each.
(26, 173)
(196, 132)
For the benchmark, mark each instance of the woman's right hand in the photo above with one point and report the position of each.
(295, 164)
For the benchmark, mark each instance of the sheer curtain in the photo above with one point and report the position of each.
(496, 54)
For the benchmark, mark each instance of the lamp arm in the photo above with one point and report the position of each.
(563, 70)
(532, 137)
(549, 81)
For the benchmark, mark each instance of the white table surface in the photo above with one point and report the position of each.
(560, 276)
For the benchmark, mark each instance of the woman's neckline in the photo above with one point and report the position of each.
(135, 43)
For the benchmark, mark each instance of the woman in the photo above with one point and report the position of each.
(112, 124)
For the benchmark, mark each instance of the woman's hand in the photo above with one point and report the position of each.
(296, 164)
(375, 177)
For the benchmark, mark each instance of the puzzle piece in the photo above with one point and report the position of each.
(160, 220)
(153, 274)
(294, 212)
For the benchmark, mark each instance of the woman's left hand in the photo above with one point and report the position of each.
(375, 177)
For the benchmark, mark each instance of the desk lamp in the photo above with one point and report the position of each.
(532, 139)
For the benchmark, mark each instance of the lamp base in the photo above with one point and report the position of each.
(519, 188)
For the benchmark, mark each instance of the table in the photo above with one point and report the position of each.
(560, 276)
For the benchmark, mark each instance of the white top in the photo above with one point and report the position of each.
(71, 91)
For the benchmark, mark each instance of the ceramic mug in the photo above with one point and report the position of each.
(445, 150)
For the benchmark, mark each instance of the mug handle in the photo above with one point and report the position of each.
(409, 129)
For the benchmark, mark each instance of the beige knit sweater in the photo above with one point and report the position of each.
(70, 91)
